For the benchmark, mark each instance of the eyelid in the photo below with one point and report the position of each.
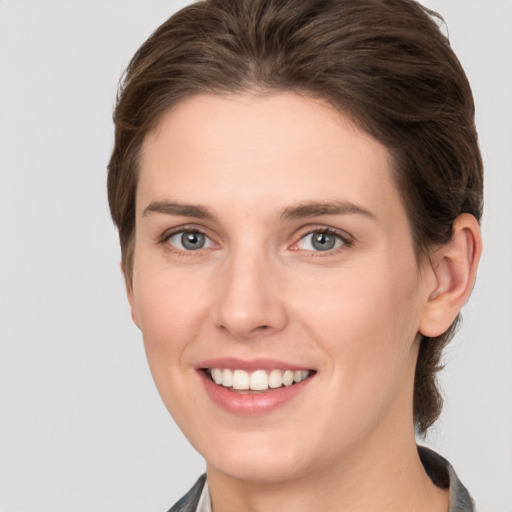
(347, 240)
(163, 239)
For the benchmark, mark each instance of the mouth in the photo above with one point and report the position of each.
(253, 387)
(256, 381)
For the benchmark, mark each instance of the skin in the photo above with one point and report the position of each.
(258, 288)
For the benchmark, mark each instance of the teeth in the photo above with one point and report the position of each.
(275, 379)
(258, 380)
(288, 378)
(217, 375)
(240, 379)
(227, 378)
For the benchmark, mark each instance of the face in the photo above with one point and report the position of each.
(272, 247)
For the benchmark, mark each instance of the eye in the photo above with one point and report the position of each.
(320, 240)
(189, 240)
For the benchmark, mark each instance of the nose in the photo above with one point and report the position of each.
(248, 299)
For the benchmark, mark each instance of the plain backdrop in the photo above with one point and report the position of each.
(82, 427)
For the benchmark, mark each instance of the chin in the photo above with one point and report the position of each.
(263, 469)
(256, 457)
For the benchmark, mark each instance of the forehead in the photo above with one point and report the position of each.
(277, 148)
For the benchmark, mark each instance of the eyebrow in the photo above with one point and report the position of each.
(314, 209)
(297, 212)
(183, 209)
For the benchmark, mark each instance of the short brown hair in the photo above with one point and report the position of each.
(385, 63)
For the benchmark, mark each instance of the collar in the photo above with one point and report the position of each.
(205, 503)
(443, 475)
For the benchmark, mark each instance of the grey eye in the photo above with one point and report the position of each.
(192, 241)
(323, 241)
(189, 240)
(320, 241)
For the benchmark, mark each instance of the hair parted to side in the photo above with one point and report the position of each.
(385, 63)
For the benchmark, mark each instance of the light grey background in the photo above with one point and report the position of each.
(82, 427)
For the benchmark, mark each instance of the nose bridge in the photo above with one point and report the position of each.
(248, 299)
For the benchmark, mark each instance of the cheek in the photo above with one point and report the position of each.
(366, 296)
(171, 311)
(169, 308)
(366, 319)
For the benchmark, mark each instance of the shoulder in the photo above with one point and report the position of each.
(189, 502)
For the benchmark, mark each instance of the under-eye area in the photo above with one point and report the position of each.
(258, 380)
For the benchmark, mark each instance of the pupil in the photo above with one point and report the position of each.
(192, 240)
(323, 241)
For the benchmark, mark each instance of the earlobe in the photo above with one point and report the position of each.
(454, 266)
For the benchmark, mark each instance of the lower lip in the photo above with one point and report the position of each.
(253, 404)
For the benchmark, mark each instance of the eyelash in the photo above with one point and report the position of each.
(346, 241)
(164, 240)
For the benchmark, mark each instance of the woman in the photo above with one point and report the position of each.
(297, 188)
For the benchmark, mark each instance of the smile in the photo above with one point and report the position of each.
(258, 380)
(253, 388)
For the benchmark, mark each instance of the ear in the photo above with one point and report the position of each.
(454, 268)
(131, 297)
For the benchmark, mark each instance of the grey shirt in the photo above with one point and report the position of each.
(438, 469)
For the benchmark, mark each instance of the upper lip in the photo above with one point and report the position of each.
(235, 363)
